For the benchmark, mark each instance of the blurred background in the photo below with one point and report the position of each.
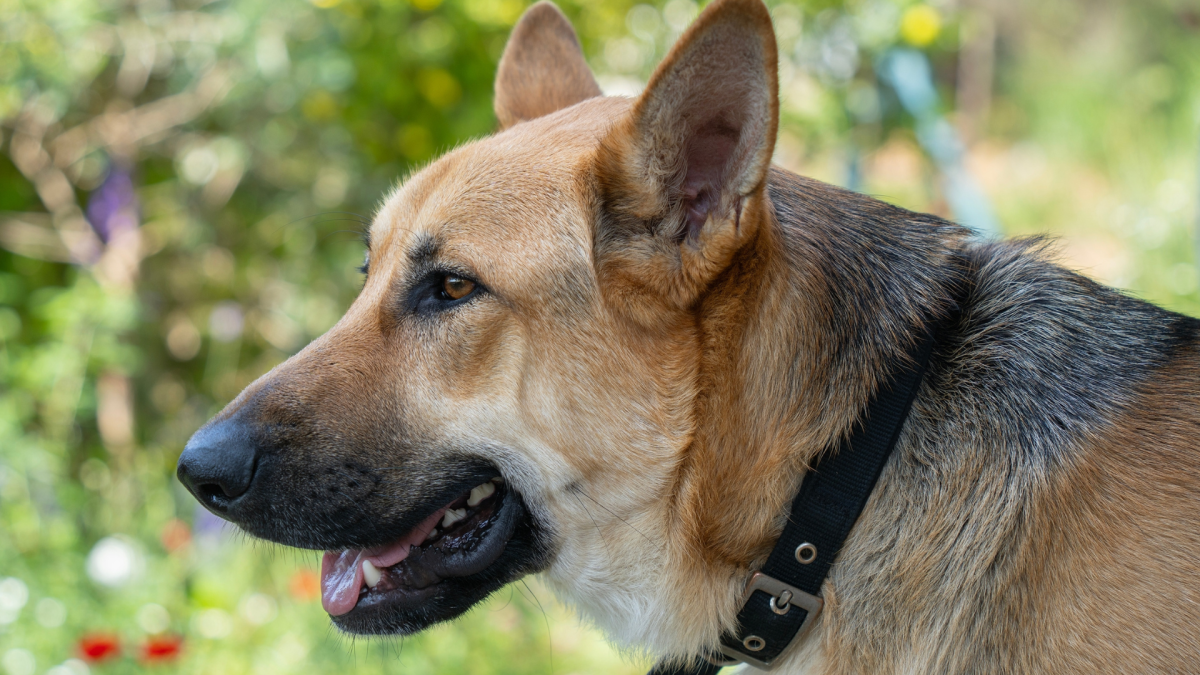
(183, 184)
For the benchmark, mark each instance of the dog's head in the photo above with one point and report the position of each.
(515, 388)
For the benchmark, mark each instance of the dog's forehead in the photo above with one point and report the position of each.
(519, 200)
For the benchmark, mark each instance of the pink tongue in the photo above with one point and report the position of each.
(341, 571)
(341, 577)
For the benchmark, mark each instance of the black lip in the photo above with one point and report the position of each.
(477, 549)
(405, 610)
(364, 522)
(360, 498)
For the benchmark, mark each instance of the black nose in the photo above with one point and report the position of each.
(218, 464)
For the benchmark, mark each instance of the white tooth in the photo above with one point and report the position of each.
(453, 516)
(497, 480)
(480, 493)
(371, 574)
(430, 535)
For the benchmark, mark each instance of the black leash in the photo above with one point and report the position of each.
(781, 600)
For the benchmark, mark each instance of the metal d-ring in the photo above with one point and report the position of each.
(782, 604)
(806, 553)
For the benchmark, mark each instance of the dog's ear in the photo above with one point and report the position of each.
(542, 69)
(682, 175)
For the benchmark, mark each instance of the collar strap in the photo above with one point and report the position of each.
(782, 601)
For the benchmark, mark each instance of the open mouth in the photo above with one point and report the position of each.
(460, 539)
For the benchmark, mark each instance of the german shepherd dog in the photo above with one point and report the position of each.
(605, 344)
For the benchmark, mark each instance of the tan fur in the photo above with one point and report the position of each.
(656, 394)
(542, 69)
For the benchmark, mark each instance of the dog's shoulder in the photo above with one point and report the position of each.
(1030, 340)
(1057, 426)
(1065, 354)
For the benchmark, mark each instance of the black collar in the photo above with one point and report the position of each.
(781, 600)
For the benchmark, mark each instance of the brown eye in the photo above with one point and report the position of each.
(457, 288)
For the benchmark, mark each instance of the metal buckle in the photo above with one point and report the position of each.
(779, 604)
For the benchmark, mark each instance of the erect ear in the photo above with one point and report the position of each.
(542, 69)
(682, 175)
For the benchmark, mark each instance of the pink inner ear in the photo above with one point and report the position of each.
(708, 156)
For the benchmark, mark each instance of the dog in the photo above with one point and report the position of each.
(607, 343)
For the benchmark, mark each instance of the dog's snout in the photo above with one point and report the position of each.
(218, 464)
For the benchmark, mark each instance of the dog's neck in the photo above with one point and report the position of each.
(823, 307)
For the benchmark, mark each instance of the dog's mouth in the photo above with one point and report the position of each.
(460, 539)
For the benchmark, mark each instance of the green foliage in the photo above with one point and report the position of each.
(259, 136)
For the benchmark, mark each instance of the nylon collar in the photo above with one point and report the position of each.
(782, 600)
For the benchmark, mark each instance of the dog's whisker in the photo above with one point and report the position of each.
(327, 235)
(594, 524)
(511, 590)
(610, 512)
(356, 217)
(326, 221)
(546, 620)
(397, 648)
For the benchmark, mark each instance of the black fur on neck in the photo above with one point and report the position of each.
(867, 278)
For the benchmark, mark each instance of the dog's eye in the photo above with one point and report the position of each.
(456, 287)
(365, 268)
(442, 290)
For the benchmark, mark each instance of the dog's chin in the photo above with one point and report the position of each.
(444, 572)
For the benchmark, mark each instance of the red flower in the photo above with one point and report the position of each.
(96, 647)
(175, 535)
(305, 585)
(162, 648)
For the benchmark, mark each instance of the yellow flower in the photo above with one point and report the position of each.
(415, 142)
(319, 106)
(920, 25)
(439, 87)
